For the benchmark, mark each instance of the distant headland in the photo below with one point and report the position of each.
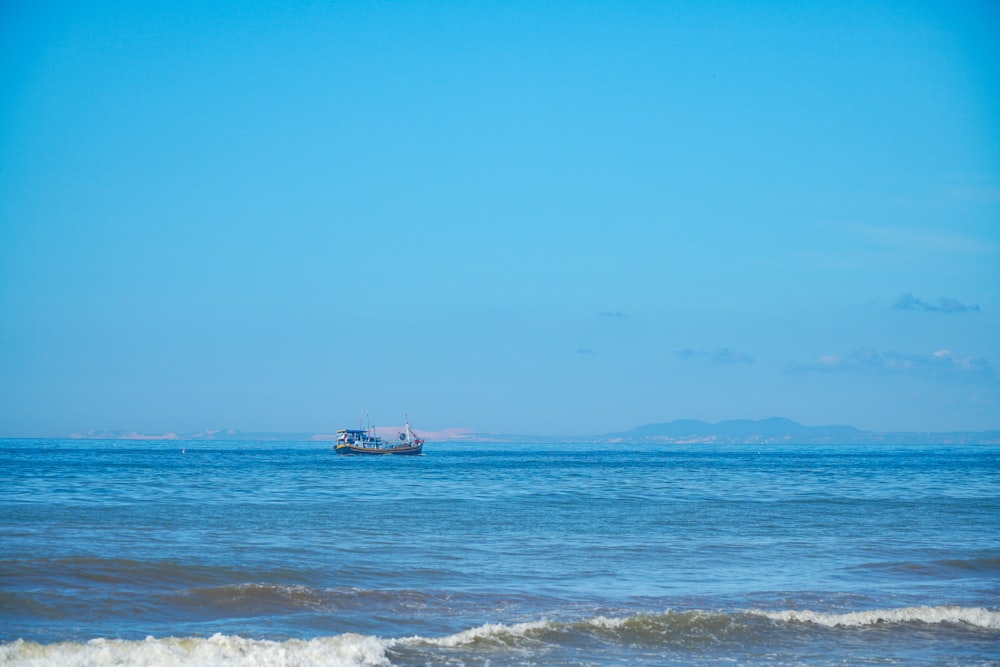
(775, 430)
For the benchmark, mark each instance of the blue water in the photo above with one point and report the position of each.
(286, 554)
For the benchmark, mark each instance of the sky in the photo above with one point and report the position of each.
(509, 217)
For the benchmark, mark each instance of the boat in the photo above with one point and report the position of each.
(365, 441)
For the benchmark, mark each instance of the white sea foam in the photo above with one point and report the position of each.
(612, 623)
(697, 621)
(669, 619)
(353, 650)
(974, 616)
(488, 632)
(348, 650)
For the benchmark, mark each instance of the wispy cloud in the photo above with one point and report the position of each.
(942, 305)
(939, 364)
(612, 314)
(908, 238)
(585, 350)
(722, 356)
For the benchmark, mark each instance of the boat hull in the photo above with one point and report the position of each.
(406, 450)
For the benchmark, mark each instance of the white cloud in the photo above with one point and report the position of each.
(943, 305)
(939, 364)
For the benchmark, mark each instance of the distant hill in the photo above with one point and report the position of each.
(775, 430)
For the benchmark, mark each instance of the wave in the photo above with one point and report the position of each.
(348, 650)
(255, 598)
(972, 616)
(679, 630)
(490, 633)
(87, 571)
(691, 626)
(987, 566)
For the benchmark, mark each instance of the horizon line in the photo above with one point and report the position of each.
(458, 434)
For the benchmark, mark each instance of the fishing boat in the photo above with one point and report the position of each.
(365, 441)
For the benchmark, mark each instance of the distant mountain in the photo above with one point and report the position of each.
(775, 430)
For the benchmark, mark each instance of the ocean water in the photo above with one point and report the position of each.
(244, 553)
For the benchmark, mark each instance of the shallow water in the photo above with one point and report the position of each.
(284, 553)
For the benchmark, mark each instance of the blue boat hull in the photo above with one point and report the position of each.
(411, 450)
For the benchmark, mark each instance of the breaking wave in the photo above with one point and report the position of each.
(972, 616)
(682, 630)
(692, 627)
(348, 650)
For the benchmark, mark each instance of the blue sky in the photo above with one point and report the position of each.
(508, 217)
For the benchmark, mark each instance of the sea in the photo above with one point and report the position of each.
(494, 554)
